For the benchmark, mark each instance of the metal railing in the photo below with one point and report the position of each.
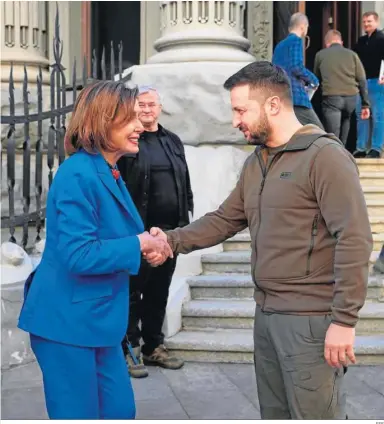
(52, 148)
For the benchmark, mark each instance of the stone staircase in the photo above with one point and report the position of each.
(217, 322)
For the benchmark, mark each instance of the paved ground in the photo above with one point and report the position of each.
(197, 391)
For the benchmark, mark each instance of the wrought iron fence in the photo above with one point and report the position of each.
(45, 150)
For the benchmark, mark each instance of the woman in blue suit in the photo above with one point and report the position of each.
(77, 300)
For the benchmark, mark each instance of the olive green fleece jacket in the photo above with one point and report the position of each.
(309, 226)
(341, 73)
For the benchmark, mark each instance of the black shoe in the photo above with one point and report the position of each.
(373, 154)
(359, 154)
(379, 266)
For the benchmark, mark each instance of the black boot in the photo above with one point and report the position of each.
(373, 154)
(358, 154)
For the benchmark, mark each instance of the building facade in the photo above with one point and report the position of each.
(27, 27)
(181, 47)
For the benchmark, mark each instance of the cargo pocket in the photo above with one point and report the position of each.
(311, 389)
(91, 291)
(337, 406)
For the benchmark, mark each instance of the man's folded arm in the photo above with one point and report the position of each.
(214, 227)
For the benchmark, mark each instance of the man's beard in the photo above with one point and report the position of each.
(261, 134)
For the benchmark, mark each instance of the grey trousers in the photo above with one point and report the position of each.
(337, 112)
(307, 116)
(293, 379)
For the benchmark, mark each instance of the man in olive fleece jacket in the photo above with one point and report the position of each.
(300, 195)
(342, 78)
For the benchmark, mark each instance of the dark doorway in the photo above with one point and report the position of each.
(116, 21)
(282, 12)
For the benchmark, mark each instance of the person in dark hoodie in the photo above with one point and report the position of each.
(300, 195)
(158, 179)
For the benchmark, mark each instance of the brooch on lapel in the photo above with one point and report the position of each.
(115, 173)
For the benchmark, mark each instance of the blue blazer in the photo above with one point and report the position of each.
(79, 294)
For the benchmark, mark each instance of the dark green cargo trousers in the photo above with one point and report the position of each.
(293, 379)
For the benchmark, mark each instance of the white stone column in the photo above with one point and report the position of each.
(194, 31)
(201, 44)
(24, 39)
(149, 28)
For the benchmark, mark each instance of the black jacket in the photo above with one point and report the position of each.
(371, 53)
(135, 171)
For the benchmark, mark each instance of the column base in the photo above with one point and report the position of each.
(202, 45)
(18, 74)
(19, 59)
(195, 104)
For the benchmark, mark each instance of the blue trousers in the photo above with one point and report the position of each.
(376, 98)
(84, 383)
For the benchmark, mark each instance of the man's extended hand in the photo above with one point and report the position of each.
(339, 345)
(155, 248)
(158, 232)
(156, 258)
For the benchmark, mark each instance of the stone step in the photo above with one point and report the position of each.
(239, 262)
(242, 241)
(372, 178)
(375, 207)
(377, 224)
(370, 165)
(236, 346)
(232, 314)
(378, 241)
(241, 286)
(373, 192)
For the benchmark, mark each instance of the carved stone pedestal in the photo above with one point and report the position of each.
(195, 104)
(15, 267)
(202, 31)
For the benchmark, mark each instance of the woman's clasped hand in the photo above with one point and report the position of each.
(154, 246)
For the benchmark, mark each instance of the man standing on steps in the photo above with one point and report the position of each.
(158, 180)
(300, 195)
(288, 54)
(342, 77)
(370, 48)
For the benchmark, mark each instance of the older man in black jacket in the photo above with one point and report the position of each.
(158, 181)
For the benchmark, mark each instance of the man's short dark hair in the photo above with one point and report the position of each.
(264, 77)
(371, 13)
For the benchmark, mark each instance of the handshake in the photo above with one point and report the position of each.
(154, 246)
